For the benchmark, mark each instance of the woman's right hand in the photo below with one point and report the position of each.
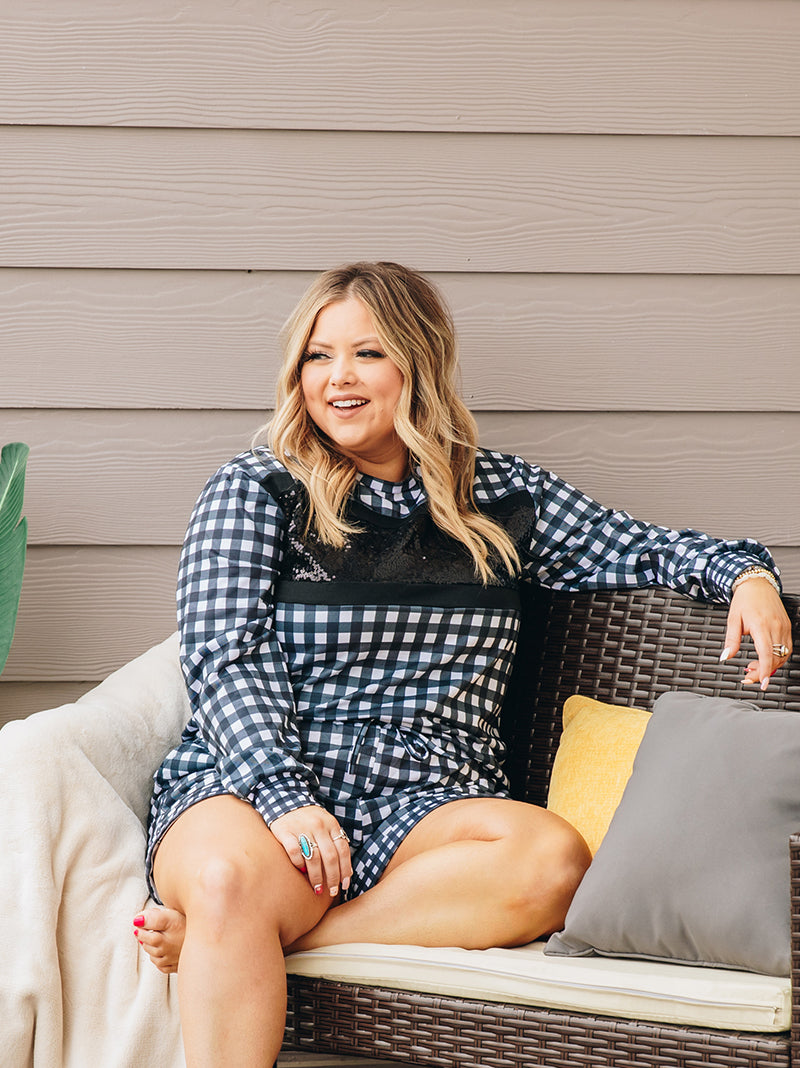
(329, 864)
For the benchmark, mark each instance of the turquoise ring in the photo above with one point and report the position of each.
(307, 847)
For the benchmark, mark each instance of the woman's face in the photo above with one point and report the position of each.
(351, 389)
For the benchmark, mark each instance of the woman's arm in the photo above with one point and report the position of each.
(235, 669)
(579, 545)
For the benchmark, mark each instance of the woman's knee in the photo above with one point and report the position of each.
(571, 861)
(547, 876)
(224, 891)
(228, 892)
(219, 862)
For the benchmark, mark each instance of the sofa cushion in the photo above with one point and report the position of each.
(695, 864)
(593, 763)
(638, 990)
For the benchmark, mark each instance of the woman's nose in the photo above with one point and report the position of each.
(343, 371)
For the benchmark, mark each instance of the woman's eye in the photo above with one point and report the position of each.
(371, 354)
(314, 356)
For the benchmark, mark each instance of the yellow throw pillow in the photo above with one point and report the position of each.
(593, 763)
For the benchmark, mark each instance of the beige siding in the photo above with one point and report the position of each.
(660, 342)
(121, 478)
(88, 610)
(538, 66)
(606, 190)
(247, 199)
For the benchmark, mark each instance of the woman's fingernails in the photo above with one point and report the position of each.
(765, 683)
(334, 891)
(138, 921)
(318, 889)
(346, 883)
(726, 652)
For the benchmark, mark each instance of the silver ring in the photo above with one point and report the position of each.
(341, 834)
(780, 650)
(307, 846)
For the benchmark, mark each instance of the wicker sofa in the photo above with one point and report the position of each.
(622, 647)
(77, 990)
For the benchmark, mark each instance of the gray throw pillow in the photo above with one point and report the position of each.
(695, 865)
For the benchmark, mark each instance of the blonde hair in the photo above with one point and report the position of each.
(416, 330)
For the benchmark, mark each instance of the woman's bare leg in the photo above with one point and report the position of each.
(474, 873)
(243, 900)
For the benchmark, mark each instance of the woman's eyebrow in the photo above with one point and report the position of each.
(355, 345)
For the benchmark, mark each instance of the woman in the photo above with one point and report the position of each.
(348, 609)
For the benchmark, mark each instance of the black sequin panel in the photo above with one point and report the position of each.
(412, 549)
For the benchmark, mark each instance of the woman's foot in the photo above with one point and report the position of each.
(160, 932)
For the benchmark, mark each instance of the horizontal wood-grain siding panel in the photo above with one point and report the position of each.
(788, 561)
(233, 199)
(721, 66)
(728, 474)
(21, 699)
(85, 612)
(127, 478)
(209, 339)
(132, 477)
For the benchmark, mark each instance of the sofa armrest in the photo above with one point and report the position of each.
(125, 726)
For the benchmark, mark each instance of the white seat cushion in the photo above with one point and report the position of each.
(639, 990)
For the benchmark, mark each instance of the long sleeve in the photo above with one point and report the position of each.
(579, 545)
(235, 669)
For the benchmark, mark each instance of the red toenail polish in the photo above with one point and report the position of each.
(138, 921)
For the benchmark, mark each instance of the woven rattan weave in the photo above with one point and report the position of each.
(627, 647)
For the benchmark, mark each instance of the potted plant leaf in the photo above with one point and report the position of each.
(13, 540)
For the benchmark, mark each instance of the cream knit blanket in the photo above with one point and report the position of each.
(75, 989)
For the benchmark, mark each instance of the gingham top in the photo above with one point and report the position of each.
(369, 679)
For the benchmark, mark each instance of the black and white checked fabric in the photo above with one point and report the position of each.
(396, 499)
(378, 712)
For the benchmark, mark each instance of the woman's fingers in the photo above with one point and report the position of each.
(317, 846)
(334, 853)
(342, 843)
(331, 867)
(310, 860)
(773, 645)
(308, 855)
(757, 610)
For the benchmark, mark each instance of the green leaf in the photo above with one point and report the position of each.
(13, 540)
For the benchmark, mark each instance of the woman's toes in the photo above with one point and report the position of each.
(160, 919)
(160, 933)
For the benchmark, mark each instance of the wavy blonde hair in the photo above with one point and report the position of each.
(416, 330)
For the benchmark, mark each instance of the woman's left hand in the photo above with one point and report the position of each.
(757, 610)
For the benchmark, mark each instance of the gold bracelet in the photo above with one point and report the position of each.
(755, 572)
